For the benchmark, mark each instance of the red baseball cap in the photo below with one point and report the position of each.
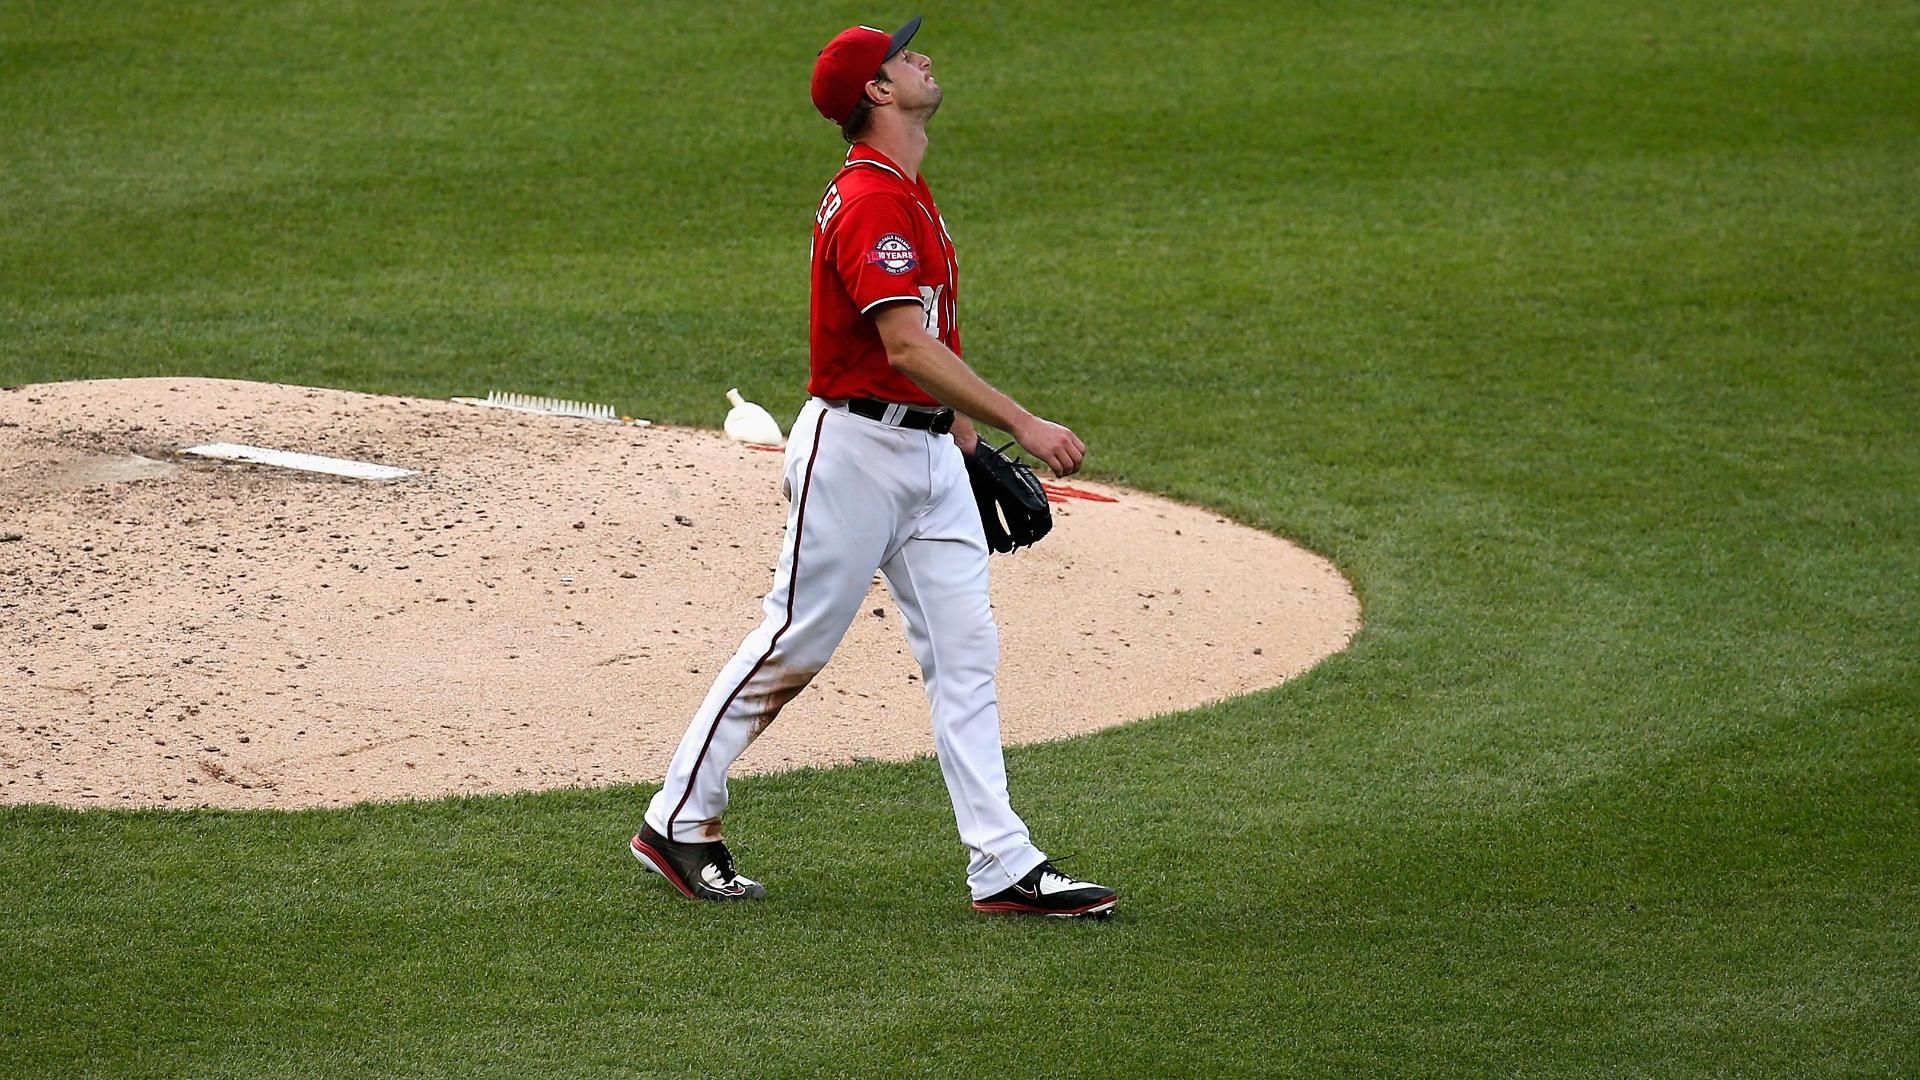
(849, 61)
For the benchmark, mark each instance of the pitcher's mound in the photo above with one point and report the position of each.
(544, 605)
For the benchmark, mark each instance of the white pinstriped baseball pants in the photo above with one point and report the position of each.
(867, 496)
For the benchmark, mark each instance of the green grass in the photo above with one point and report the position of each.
(1583, 336)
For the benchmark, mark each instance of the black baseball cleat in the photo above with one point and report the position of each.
(701, 871)
(1047, 891)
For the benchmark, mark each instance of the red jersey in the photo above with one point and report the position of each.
(878, 239)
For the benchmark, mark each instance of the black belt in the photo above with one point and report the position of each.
(937, 421)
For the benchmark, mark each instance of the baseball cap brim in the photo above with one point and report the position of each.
(901, 37)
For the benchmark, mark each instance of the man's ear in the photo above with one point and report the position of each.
(879, 93)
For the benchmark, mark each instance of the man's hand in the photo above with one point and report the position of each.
(1052, 443)
(965, 435)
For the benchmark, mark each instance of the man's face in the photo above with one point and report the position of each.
(910, 76)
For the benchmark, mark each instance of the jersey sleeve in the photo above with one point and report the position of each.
(876, 253)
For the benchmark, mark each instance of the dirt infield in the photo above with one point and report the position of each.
(543, 606)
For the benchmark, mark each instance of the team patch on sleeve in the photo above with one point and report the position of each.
(892, 253)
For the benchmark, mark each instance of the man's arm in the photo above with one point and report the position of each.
(934, 368)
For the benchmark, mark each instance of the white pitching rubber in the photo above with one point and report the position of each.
(287, 459)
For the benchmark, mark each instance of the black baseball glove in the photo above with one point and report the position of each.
(1013, 506)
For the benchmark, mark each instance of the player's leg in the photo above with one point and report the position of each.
(839, 525)
(939, 579)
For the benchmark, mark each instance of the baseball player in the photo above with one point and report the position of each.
(876, 480)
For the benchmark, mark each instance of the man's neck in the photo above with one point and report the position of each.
(904, 146)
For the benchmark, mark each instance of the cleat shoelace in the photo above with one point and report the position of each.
(723, 863)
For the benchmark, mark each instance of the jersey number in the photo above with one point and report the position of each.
(930, 308)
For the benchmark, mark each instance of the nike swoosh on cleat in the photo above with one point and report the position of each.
(710, 877)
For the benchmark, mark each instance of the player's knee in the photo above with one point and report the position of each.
(772, 687)
(975, 653)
